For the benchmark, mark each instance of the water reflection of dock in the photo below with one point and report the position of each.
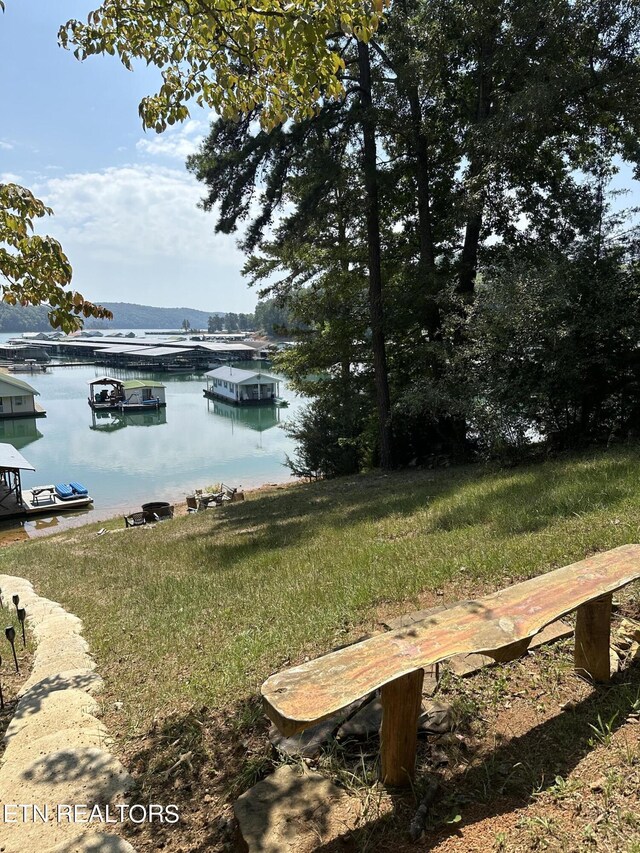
(19, 431)
(257, 418)
(111, 421)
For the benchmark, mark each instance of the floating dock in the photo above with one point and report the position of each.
(16, 502)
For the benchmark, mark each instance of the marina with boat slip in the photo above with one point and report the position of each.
(126, 458)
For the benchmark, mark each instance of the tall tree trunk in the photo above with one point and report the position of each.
(426, 257)
(473, 229)
(345, 360)
(376, 311)
(469, 256)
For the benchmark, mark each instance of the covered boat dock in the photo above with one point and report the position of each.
(16, 502)
(12, 462)
(108, 393)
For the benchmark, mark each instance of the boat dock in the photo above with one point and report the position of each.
(16, 502)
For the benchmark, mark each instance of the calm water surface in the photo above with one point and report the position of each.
(128, 460)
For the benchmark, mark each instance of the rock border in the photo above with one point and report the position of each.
(56, 749)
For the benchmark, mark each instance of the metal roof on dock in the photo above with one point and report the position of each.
(234, 374)
(12, 459)
(160, 351)
(20, 384)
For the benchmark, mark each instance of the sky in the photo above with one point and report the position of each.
(125, 207)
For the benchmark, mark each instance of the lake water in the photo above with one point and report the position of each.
(128, 460)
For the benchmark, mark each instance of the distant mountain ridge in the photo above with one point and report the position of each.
(126, 315)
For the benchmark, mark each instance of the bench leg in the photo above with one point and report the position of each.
(401, 704)
(593, 625)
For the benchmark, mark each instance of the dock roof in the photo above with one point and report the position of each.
(224, 347)
(240, 377)
(20, 384)
(130, 384)
(104, 380)
(117, 349)
(12, 459)
(161, 351)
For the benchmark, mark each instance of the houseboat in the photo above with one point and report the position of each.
(17, 398)
(107, 393)
(242, 387)
(16, 502)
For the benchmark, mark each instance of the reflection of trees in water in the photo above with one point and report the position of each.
(257, 418)
(112, 421)
(19, 431)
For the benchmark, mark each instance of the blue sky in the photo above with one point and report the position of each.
(124, 204)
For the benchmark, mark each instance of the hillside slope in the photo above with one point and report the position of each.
(126, 315)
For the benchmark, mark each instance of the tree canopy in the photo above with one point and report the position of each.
(230, 55)
(497, 127)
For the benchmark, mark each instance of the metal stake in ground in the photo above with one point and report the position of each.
(1, 599)
(1, 695)
(21, 616)
(10, 634)
(16, 601)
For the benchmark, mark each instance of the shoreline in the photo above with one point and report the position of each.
(37, 528)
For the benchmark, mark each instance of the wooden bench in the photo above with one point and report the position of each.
(500, 625)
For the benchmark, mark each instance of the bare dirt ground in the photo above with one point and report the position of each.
(10, 680)
(13, 532)
(538, 760)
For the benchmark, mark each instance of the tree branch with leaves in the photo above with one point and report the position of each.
(34, 269)
(228, 55)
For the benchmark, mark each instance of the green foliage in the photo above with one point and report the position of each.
(34, 269)
(214, 323)
(232, 57)
(553, 346)
(126, 315)
(274, 318)
(330, 438)
(30, 318)
(129, 315)
(491, 121)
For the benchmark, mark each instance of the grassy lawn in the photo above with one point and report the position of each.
(199, 610)
(188, 617)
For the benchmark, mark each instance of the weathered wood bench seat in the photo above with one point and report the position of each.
(500, 625)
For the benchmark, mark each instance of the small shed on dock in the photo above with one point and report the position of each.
(143, 393)
(242, 386)
(17, 398)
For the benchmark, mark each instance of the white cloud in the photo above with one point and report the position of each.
(6, 146)
(134, 233)
(176, 142)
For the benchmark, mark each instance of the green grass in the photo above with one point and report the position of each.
(201, 609)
